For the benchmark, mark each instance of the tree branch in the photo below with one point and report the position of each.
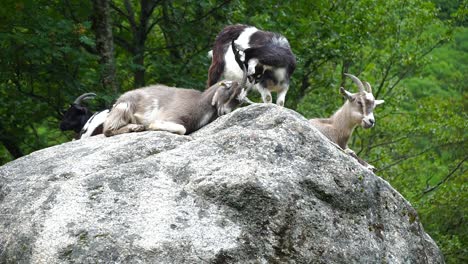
(130, 15)
(388, 142)
(124, 44)
(210, 12)
(152, 25)
(405, 157)
(446, 178)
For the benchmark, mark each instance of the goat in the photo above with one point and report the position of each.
(267, 57)
(81, 120)
(357, 110)
(176, 110)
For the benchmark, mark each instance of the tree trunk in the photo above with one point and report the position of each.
(7, 139)
(139, 74)
(140, 34)
(140, 27)
(12, 148)
(102, 25)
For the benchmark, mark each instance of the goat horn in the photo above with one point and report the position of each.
(82, 97)
(368, 87)
(356, 81)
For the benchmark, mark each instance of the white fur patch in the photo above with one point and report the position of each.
(280, 41)
(96, 120)
(369, 96)
(232, 71)
(378, 102)
(367, 120)
(167, 126)
(151, 114)
(280, 74)
(121, 106)
(369, 116)
(242, 95)
(244, 38)
(252, 64)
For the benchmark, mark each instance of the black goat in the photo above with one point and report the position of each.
(81, 120)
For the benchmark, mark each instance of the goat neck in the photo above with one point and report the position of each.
(205, 104)
(344, 123)
(201, 110)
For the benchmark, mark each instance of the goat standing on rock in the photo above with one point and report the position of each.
(357, 110)
(176, 110)
(266, 55)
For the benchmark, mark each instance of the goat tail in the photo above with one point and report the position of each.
(220, 47)
(217, 64)
(121, 114)
(216, 70)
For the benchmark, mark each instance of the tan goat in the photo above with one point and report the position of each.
(357, 110)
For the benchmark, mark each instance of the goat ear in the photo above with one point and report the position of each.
(377, 102)
(346, 94)
(215, 97)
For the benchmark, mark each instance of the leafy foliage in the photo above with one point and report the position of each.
(409, 50)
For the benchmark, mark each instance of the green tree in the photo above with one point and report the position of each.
(43, 64)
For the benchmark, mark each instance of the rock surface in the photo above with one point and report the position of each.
(259, 185)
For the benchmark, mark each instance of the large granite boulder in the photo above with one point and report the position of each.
(259, 185)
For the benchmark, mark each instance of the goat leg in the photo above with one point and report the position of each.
(247, 100)
(167, 126)
(243, 95)
(125, 129)
(361, 161)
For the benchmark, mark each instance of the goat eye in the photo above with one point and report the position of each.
(359, 103)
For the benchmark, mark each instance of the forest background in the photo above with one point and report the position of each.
(413, 52)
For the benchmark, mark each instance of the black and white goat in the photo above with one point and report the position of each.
(176, 110)
(81, 120)
(267, 57)
(357, 110)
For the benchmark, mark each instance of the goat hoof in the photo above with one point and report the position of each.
(136, 128)
(349, 151)
(371, 168)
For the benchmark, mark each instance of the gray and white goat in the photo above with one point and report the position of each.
(81, 120)
(357, 110)
(176, 110)
(267, 56)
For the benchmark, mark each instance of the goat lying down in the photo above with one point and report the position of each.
(267, 57)
(81, 120)
(176, 110)
(357, 110)
(94, 125)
